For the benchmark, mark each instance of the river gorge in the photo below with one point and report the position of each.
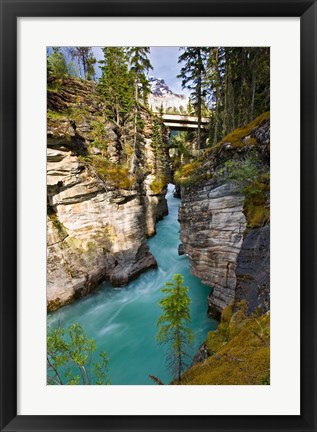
(135, 198)
(123, 320)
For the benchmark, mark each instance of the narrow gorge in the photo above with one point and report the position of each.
(146, 187)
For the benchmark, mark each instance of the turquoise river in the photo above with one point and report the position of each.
(123, 320)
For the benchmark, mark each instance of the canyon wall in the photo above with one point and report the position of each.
(99, 214)
(224, 217)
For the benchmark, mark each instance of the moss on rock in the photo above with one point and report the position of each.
(157, 186)
(238, 356)
(256, 207)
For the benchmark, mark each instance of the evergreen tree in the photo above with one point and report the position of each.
(85, 61)
(192, 75)
(56, 64)
(139, 66)
(238, 85)
(91, 73)
(116, 83)
(173, 325)
(215, 72)
(159, 147)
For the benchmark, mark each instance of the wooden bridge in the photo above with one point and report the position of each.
(184, 122)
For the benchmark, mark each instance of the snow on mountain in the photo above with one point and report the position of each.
(162, 95)
(159, 87)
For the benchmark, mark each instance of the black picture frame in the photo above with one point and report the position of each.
(10, 11)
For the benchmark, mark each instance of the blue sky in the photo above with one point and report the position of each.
(165, 65)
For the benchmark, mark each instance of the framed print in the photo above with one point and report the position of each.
(149, 206)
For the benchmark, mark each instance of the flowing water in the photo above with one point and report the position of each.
(123, 320)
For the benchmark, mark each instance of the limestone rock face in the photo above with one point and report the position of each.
(155, 206)
(95, 230)
(92, 234)
(228, 252)
(212, 227)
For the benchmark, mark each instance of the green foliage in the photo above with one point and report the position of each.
(254, 183)
(193, 77)
(159, 148)
(237, 82)
(182, 143)
(71, 360)
(116, 83)
(85, 60)
(139, 66)
(242, 172)
(98, 134)
(173, 325)
(56, 64)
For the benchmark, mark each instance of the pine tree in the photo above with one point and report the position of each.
(159, 147)
(139, 66)
(192, 75)
(56, 64)
(238, 85)
(173, 325)
(116, 84)
(91, 73)
(85, 61)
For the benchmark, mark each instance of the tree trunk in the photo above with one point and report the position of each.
(217, 97)
(135, 132)
(198, 116)
(199, 101)
(253, 96)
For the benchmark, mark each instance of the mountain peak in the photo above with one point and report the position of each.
(159, 87)
(162, 95)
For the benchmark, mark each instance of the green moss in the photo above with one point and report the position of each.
(227, 314)
(158, 185)
(242, 357)
(55, 115)
(237, 137)
(57, 223)
(185, 171)
(256, 209)
(75, 243)
(115, 175)
(215, 341)
(191, 174)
